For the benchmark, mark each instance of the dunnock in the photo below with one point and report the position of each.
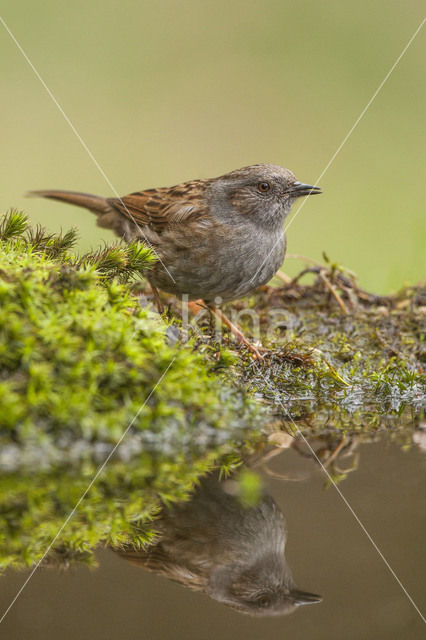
(221, 237)
(234, 554)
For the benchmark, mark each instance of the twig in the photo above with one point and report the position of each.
(296, 256)
(335, 453)
(333, 292)
(283, 277)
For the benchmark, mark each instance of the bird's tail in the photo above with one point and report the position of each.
(97, 204)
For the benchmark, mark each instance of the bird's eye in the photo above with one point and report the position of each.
(264, 601)
(263, 187)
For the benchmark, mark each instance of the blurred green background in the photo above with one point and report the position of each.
(166, 91)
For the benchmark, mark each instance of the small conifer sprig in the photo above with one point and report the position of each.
(125, 262)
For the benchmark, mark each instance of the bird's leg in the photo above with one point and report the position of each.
(158, 302)
(236, 331)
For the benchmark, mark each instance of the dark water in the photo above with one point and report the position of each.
(327, 550)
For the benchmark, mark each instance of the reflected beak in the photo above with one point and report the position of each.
(298, 189)
(303, 597)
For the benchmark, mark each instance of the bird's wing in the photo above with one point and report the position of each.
(158, 560)
(164, 207)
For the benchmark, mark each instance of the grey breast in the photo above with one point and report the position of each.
(247, 263)
(225, 263)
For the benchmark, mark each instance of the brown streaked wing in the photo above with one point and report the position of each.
(159, 561)
(165, 206)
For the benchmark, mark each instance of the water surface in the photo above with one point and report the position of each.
(328, 551)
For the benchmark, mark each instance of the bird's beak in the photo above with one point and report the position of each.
(298, 189)
(303, 597)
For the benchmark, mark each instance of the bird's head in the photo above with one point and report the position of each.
(264, 193)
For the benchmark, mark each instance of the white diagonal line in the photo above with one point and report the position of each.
(361, 115)
(370, 538)
(83, 144)
(100, 469)
(352, 511)
(85, 492)
(351, 130)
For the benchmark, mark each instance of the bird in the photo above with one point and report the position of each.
(231, 552)
(215, 239)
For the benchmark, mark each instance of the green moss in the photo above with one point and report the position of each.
(344, 363)
(80, 363)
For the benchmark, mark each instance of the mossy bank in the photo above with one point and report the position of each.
(81, 366)
(103, 420)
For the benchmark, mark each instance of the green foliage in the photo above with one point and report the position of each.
(80, 365)
(12, 225)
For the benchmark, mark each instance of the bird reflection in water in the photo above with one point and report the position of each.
(233, 553)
